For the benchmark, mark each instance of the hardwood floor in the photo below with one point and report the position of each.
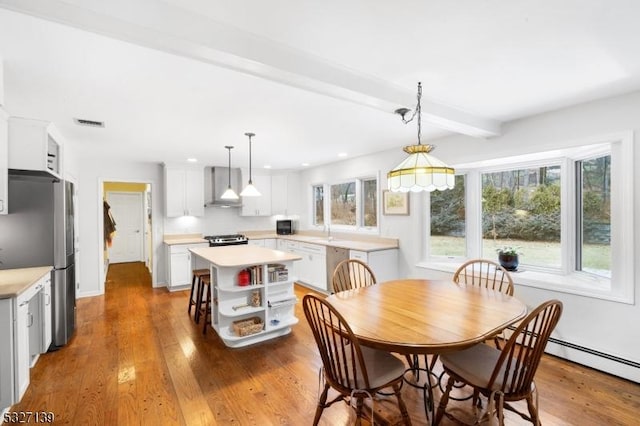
(137, 358)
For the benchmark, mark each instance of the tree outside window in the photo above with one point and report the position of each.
(448, 218)
(343, 204)
(318, 205)
(522, 208)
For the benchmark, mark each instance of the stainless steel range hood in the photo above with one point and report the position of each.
(216, 181)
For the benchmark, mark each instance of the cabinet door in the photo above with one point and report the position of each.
(279, 194)
(35, 328)
(21, 354)
(174, 185)
(180, 269)
(318, 271)
(184, 191)
(47, 326)
(194, 192)
(258, 206)
(4, 162)
(7, 349)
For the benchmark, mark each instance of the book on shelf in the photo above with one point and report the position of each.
(277, 272)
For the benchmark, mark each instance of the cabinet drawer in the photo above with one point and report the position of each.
(359, 255)
(184, 248)
(312, 248)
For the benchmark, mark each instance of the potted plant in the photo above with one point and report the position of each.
(508, 257)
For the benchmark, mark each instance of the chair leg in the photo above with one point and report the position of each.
(444, 401)
(401, 405)
(198, 301)
(533, 411)
(321, 402)
(207, 309)
(359, 405)
(193, 284)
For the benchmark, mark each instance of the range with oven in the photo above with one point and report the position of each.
(226, 240)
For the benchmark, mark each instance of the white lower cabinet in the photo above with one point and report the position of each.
(312, 269)
(179, 272)
(24, 328)
(264, 242)
(383, 263)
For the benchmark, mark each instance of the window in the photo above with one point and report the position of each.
(521, 208)
(351, 204)
(343, 203)
(594, 215)
(448, 216)
(370, 203)
(570, 212)
(318, 205)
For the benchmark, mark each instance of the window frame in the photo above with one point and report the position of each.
(359, 192)
(567, 279)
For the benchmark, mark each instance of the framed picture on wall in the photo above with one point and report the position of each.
(395, 203)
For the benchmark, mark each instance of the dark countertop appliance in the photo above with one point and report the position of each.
(226, 240)
(284, 227)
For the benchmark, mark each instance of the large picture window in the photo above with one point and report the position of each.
(521, 208)
(569, 212)
(448, 217)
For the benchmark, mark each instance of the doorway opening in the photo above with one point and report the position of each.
(127, 224)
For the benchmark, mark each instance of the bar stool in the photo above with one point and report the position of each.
(197, 275)
(205, 285)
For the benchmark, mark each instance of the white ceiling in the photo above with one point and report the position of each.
(176, 79)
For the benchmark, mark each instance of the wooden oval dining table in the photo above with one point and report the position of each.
(415, 316)
(419, 317)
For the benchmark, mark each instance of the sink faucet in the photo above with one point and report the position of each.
(328, 231)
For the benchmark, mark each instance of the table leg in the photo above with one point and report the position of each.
(427, 387)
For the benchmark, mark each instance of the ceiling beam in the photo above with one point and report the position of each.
(168, 28)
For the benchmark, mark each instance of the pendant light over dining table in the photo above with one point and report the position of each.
(250, 190)
(229, 194)
(420, 171)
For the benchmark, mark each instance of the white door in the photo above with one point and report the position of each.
(127, 209)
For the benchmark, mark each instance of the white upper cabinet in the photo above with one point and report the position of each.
(280, 194)
(184, 191)
(4, 163)
(35, 145)
(257, 206)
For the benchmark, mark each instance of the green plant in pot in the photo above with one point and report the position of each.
(508, 257)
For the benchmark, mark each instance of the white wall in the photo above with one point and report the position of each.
(92, 172)
(608, 327)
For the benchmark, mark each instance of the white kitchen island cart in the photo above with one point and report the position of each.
(252, 294)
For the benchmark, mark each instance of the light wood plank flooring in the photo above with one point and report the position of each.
(137, 358)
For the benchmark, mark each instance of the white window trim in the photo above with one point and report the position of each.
(358, 228)
(620, 288)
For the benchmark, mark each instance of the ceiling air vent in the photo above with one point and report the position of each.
(90, 123)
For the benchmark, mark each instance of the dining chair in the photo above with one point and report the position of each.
(504, 375)
(484, 273)
(355, 372)
(351, 274)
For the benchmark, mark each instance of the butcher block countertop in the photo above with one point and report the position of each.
(15, 281)
(242, 255)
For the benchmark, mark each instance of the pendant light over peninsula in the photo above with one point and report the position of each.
(229, 194)
(250, 190)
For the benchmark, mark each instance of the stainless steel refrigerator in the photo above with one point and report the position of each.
(38, 231)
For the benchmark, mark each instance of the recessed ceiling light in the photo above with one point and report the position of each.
(192, 160)
(305, 164)
(342, 154)
(267, 166)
